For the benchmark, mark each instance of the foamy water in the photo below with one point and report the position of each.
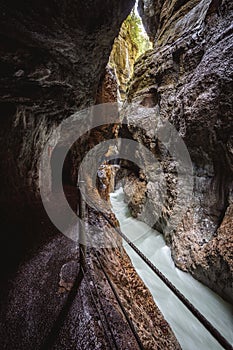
(188, 330)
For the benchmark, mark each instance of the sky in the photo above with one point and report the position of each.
(136, 11)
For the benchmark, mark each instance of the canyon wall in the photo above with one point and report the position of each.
(53, 55)
(128, 46)
(123, 56)
(53, 63)
(187, 80)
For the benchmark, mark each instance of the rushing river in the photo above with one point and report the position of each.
(188, 330)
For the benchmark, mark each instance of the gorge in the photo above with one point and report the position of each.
(59, 58)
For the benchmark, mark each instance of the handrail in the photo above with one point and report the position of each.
(130, 323)
(105, 321)
(201, 318)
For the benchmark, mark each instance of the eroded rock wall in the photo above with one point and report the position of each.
(187, 80)
(53, 55)
(124, 53)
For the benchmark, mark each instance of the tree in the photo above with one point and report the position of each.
(138, 36)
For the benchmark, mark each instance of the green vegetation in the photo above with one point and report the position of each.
(138, 37)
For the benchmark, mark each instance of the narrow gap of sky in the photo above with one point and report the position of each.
(137, 14)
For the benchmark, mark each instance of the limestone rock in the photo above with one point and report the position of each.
(187, 80)
(108, 87)
(125, 52)
(53, 56)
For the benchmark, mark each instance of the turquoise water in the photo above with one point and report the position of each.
(188, 330)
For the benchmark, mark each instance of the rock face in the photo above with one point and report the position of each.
(187, 80)
(124, 53)
(53, 56)
(53, 62)
(108, 88)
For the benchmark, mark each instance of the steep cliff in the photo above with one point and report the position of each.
(53, 60)
(187, 80)
(53, 55)
(128, 46)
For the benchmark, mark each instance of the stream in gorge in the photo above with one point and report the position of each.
(188, 330)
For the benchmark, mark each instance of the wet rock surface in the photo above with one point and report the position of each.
(53, 58)
(187, 80)
(149, 322)
(42, 307)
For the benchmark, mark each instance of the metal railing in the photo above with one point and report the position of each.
(201, 318)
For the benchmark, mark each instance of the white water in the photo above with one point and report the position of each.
(188, 330)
